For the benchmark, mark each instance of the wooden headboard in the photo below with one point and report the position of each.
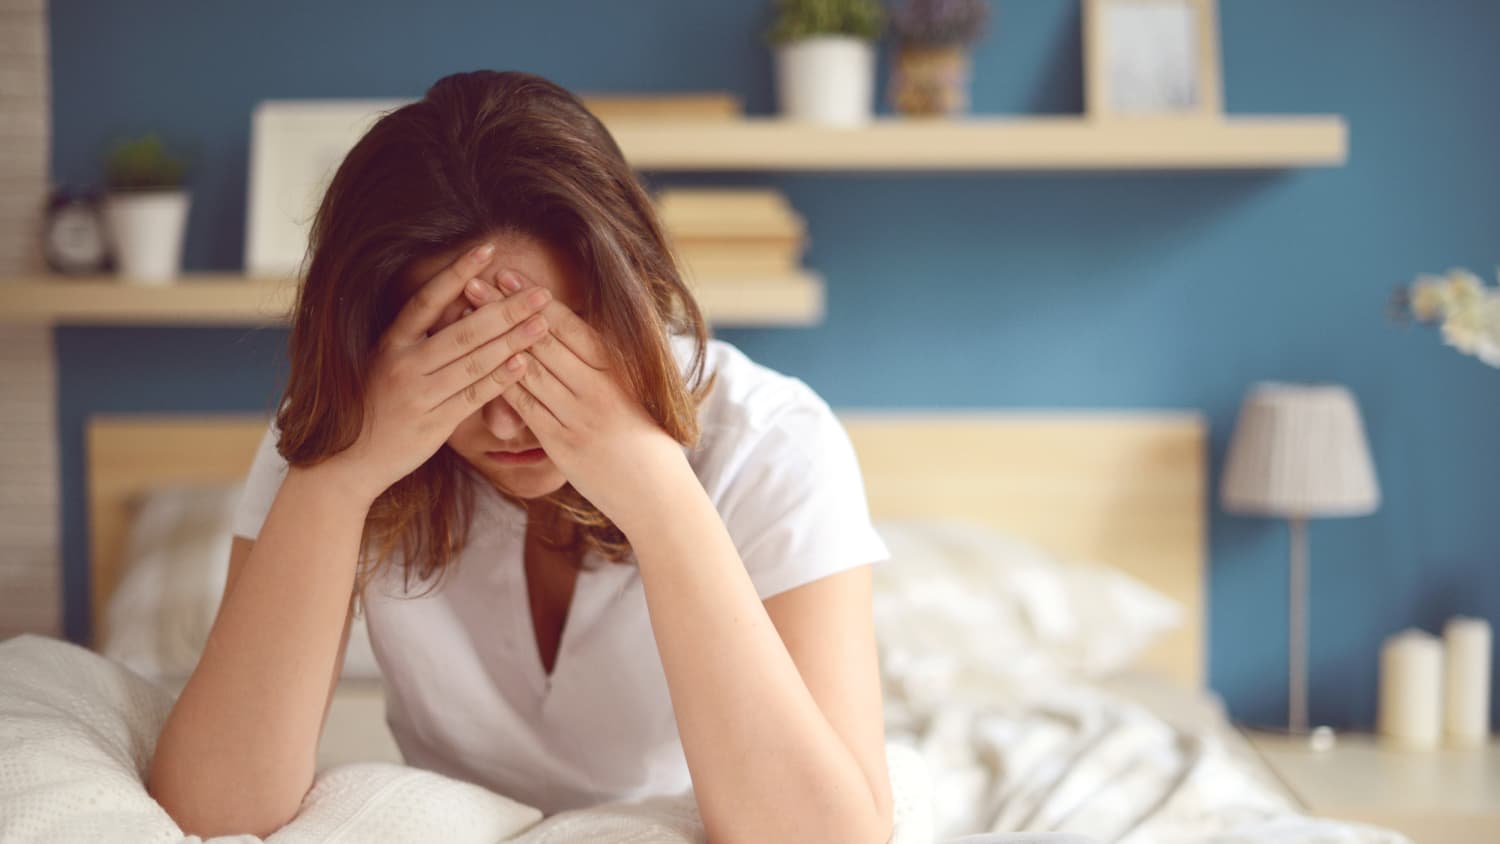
(1120, 488)
(1124, 489)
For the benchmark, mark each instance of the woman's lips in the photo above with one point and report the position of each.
(511, 458)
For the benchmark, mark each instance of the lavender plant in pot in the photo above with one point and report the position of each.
(825, 59)
(145, 210)
(931, 72)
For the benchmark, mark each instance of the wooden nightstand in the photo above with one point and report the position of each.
(1435, 797)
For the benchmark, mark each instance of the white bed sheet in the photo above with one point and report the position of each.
(1131, 759)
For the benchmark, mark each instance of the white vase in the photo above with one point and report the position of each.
(828, 79)
(146, 229)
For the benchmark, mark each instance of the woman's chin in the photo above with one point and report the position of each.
(528, 483)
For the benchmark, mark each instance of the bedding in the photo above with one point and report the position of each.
(77, 732)
(1006, 668)
(1006, 678)
(175, 564)
(1086, 759)
(956, 592)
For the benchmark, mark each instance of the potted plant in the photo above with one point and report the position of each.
(931, 73)
(145, 210)
(825, 59)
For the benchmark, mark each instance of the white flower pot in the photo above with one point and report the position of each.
(146, 229)
(829, 79)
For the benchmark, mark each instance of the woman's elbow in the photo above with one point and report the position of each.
(204, 807)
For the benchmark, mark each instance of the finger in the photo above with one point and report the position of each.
(449, 380)
(486, 389)
(509, 281)
(553, 393)
(578, 335)
(477, 329)
(456, 310)
(560, 361)
(427, 304)
(531, 410)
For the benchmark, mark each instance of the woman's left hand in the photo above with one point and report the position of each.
(606, 444)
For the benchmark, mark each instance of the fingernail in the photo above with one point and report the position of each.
(477, 289)
(484, 252)
(538, 297)
(510, 282)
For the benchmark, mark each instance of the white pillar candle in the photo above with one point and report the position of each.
(1411, 689)
(1466, 642)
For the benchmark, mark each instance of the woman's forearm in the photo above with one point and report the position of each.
(237, 753)
(766, 763)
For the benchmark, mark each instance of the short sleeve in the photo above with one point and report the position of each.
(796, 507)
(261, 485)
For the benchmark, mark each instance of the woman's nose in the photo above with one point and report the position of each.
(502, 420)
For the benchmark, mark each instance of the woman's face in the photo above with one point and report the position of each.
(490, 438)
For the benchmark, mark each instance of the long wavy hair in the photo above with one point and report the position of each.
(481, 152)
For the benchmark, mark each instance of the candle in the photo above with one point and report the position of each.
(1466, 720)
(1411, 690)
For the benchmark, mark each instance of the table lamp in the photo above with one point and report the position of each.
(1299, 452)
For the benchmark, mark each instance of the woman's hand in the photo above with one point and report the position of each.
(424, 382)
(606, 444)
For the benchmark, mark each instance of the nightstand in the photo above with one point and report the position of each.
(1440, 796)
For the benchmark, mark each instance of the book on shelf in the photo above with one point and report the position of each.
(731, 202)
(746, 282)
(734, 263)
(727, 213)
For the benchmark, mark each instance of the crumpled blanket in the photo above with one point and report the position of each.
(1076, 757)
(77, 732)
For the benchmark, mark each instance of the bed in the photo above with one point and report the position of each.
(1136, 751)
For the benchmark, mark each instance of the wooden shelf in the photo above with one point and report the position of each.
(232, 299)
(988, 143)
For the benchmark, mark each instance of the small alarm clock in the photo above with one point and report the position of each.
(74, 240)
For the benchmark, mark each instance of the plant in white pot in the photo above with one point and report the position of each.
(146, 210)
(825, 59)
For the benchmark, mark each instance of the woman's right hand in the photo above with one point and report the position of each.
(421, 386)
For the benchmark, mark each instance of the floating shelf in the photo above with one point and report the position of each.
(988, 143)
(232, 299)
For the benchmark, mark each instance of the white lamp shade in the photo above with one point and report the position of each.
(1299, 450)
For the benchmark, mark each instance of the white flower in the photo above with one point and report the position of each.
(1465, 290)
(1429, 297)
(1488, 347)
(1474, 328)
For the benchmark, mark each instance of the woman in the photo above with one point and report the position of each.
(601, 555)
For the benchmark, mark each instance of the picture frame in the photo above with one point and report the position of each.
(1156, 59)
(295, 147)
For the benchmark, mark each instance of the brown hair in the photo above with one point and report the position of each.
(482, 152)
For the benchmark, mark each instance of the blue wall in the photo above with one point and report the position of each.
(948, 290)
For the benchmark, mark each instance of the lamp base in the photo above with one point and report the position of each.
(1318, 739)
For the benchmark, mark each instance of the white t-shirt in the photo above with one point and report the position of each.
(466, 691)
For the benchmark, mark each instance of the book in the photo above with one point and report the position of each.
(730, 262)
(728, 213)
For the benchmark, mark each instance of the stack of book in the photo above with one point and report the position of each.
(733, 235)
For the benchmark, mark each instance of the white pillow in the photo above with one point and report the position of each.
(176, 562)
(77, 733)
(963, 605)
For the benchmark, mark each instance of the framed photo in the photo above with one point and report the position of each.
(1152, 58)
(295, 147)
